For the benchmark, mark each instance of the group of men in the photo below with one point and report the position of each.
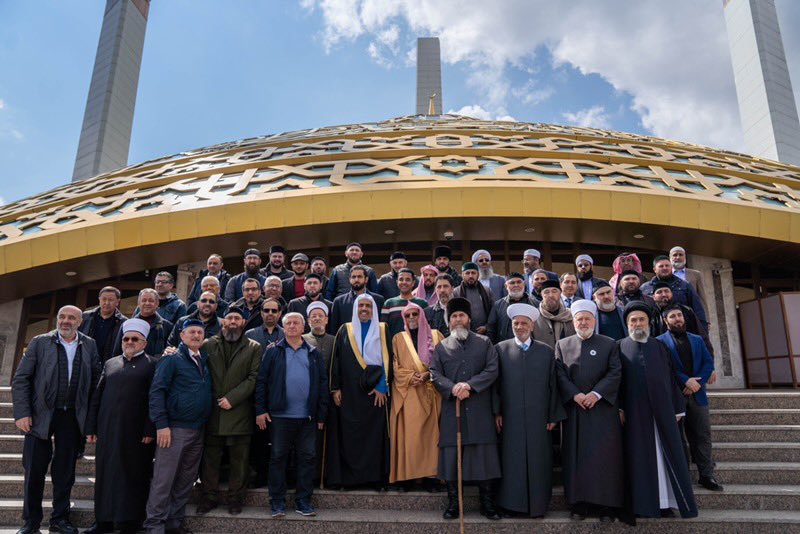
(355, 380)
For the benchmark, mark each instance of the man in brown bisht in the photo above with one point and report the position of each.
(414, 418)
(555, 319)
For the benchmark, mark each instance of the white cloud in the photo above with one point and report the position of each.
(531, 94)
(2, 104)
(673, 60)
(593, 117)
(477, 112)
(17, 134)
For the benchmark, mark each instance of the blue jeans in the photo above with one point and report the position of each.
(301, 435)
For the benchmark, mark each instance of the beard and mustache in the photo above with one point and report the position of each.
(459, 333)
(232, 335)
(640, 334)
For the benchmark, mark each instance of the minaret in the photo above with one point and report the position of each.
(766, 102)
(108, 119)
(429, 75)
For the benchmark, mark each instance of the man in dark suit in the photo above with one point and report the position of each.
(342, 310)
(294, 287)
(51, 395)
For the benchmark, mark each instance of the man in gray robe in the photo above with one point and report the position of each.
(555, 319)
(589, 373)
(527, 409)
(464, 366)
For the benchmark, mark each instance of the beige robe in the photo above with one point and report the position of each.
(414, 418)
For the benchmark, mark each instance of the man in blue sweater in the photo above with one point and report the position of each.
(180, 403)
(292, 397)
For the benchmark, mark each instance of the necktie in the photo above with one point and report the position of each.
(196, 358)
(569, 302)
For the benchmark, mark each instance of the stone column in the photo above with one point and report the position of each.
(10, 317)
(718, 292)
(187, 274)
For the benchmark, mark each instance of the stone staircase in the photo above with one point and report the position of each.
(756, 446)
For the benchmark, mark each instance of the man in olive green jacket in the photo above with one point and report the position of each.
(233, 361)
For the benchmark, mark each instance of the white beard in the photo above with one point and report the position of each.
(459, 333)
(486, 273)
(585, 333)
(677, 266)
(516, 295)
(640, 335)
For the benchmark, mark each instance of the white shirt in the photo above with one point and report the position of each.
(70, 347)
(680, 273)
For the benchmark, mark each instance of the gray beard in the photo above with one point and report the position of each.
(606, 307)
(516, 295)
(640, 335)
(486, 273)
(677, 266)
(232, 336)
(585, 334)
(459, 333)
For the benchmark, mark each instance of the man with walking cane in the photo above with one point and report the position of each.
(463, 368)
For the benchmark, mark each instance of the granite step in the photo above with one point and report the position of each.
(755, 473)
(755, 433)
(755, 416)
(754, 399)
(11, 464)
(10, 443)
(6, 409)
(363, 521)
(5, 393)
(756, 452)
(735, 496)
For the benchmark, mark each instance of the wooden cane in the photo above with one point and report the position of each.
(460, 472)
(322, 467)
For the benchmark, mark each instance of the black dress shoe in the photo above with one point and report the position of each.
(575, 516)
(710, 483)
(63, 526)
(451, 512)
(606, 519)
(100, 528)
(205, 506)
(234, 508)
(28, 529)
(667, 512)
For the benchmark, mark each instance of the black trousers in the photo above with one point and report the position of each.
(36, 457)
(300, 434)
(697, 431)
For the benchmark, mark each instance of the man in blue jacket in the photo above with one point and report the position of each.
(180, 403)
(693, 365)
(292, 397)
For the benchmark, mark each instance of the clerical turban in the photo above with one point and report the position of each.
(520, 308)
(136, 325)
(584, 257)
(478, 253)
(583, 305)
(316, 306)
(533, 252)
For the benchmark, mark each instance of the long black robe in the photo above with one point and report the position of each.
(650, 394)
(119, 416)
(474, 361)
(358, 432)
(526, 395)
(591, 449)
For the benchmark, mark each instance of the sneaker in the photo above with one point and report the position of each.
(305, 509)
(278, 509)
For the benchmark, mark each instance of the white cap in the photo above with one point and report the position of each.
(533, 252)
(584, 257)
(316, 305)
(136, 325)
(583, 305)
(520, 308)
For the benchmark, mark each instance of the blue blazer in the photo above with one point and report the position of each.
(703, 363)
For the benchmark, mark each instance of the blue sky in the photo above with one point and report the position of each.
(216, 71)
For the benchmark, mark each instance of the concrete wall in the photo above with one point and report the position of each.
(10, 316)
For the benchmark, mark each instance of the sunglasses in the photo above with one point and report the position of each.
(208, 301)
(128, 339)
(270, 310)
(484, 260)
(412, 314)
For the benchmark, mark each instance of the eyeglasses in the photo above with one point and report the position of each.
(270, 310)
(128, 339)
(484, 260)
(208, 301)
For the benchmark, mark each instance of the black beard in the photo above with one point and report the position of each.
(585, 276)
(232, 335)
(470, 284)
(251, 271)
(664, 304)
(442, 269)
(277, 267)
(678, 329)
(311, 295)
(357, 287)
